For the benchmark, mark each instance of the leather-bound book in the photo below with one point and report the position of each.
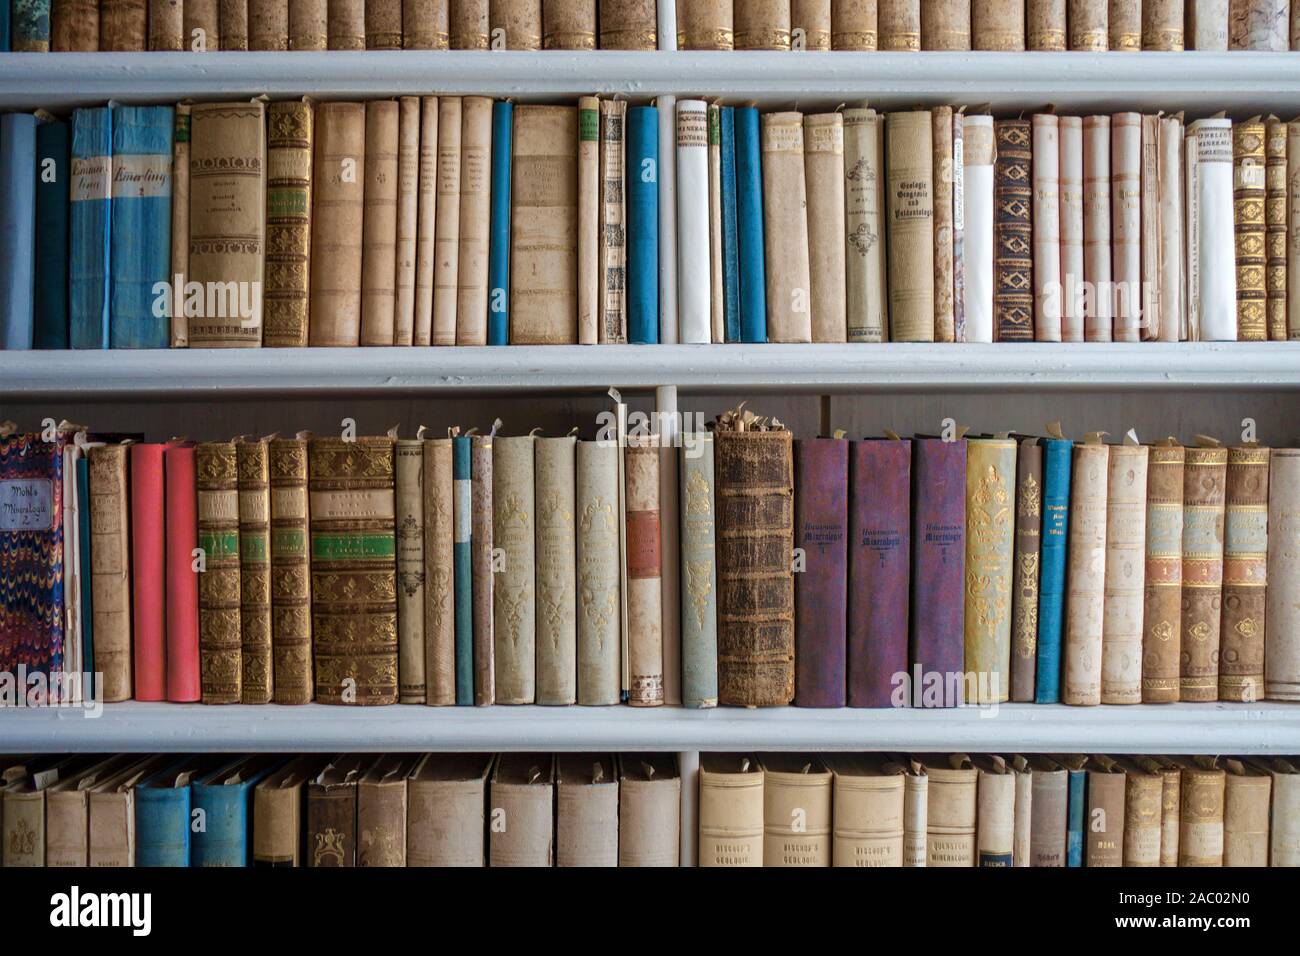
(990, 536)
(381, 812)
(1276, 217)
(899, 23)
(1126, 226)
(354, 570)
(810, 24)
(446, 268)
(864, 223)
(1281, 616)
(951, 811)
(938, 564)
(916, 793)
(944, 218)
(440, 592)
(599, 621)
(521, 816)
(202, 21)
(122, 25)
(1124, 25)
(74, 26)
(289, 177)
(762, 25)
(1249, 193)
(409, 536)
(645, 664)
(1204, 477)
(472, 257)
(1284, 834)
(110, 569)
(1048, 808)
(290, 572)
(855, 24)
(468, 24)
(1163, 586)
(166, 25)
(1143, 792)
(868, 819)
(255, 570)
(1013, 301)
(586, 810)
(909, 162)
(425, 24)
(705, 25)
(1162, 25)
(383, 24)
(996, 812)
(1026, 569)
(445, 799)
(699, 567)
(649, 810)
(220, 654)
(308, 24)
(347, 24)
(182, 585)
(556, 571)
(998, 25)
(1171, 801)
(1045, 23)
(821, 468)
(1105, 831)
(824, 174)
(1089, 25)
(516, 24)
(278, 812)
(268, 25)
(785, 221)
(1098, 315)
(569, 25)
(628, 25)
(1245, 573)
(1261, 25)
(731, 811)
(332, 812)
(379, 223)
(481, 562)
(1052, 571)
(1126, 504)
(234, 24)
(755, 489)
(978, 151)
(796, 811)
(337, 209)
(1200, 837)
(1246, 802)
(945, 25)
(1085, 581)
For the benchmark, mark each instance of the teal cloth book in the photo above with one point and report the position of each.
(643, 225)
(53, 168)
(462, 569)
(162, 815)
(503, 113)
(1076, 810)
(141, 230)
(83, 544)
(699, 570)
(1051, 573)
(30, 27)
(730, 235)
(17, 229)
(751, 253)
(222, 812)
(89, 221)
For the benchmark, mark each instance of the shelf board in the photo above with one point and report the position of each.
(1015, 728)
(1200, 83)
(709, 369)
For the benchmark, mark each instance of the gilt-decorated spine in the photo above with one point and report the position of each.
(644, 584)
(440, 597)
(699, 567)
(255, 571)
(408, 467)
(1204, 476)
(1275, 214)
(854, 25)
(217, 487)
(1249, 193)
(290, 572)
(1089, 25)
(288, 223)
(1245, 574)
(1162, 603)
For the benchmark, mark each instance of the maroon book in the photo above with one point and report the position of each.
(938, 571)
(821, 525)
(880, 517)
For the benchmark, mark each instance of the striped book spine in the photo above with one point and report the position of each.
(730, 234)
(749, 227)
(51, 305)
(17, 228)
(643, 225)
(89, 224)
(499, 230)
(461, 553)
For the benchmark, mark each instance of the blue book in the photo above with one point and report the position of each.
(17, 229)
(30, 27)
(1057, 453)
(749, 226)
(730, 236)
(503, 117)
(89, 221)
(225, 798)
(4, 27)
(53, 170)
(463, 569)
(141, 230)
(1076, 810)
(83, 544)
(162, 816)
(643, 225)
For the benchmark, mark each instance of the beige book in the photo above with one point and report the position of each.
(516, 24)
(234, 24)
(427, 222)
(1089, 30)
(338, 205)
(1162, 25)
(1260, 25)
(854, 25)
(996, 812)
(111, 830)
(705, 25)
(588, 220)
(1200, 838)
(1293, 229)
(439, 575)
(1046, 216)
(1022, 840)
(1148, 294)
(796, 811)
(308, 24)
(649, 810)
(810, 24)
(180, 260)
(1104, 830)
(899, 25)
(278, 813)
(381, 812)
(445, 798)
(998, 25)
(645, 645)
(408, 467)
(762, 25)
(254, 490)
(613, 222)
(1125, 574)
(23, 815)
(202, 23)
(166, 26)
(1281, 614)
(1071, 190)
(469, 21)
(599, 528)
(909, 195)
(67, 813)
(379, 224)
(110, 569)
(475, 199)
(408, 218)
(945, 25)
(1143, 793)
(586, 810)
(514, 601)
(1098, 291)
(731, 811)
(864, 224)
(1172, 293)
(1284, 834)
(520, 811)
(544, 226)
(785, 228)
(446, 250)
(977, 228)
(557, 669)
(1246, 804)
(1276, 231)
(868, 820)
(1086, 574)
(1045, 23)
(944, 217)
(951, 811)
(1124, 25)
(990, 536)
(1171, 803)
(425, 24)
(824, 170)
(1126, 222)
(717, 297)
(1204, 480)
(1207, 24)
(916, 809)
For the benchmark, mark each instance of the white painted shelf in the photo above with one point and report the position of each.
(901, 367)
(1015, 728)
(1201, 83)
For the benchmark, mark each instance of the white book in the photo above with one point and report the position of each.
(1173, 312)
(694, 263)
(1215, 239)
(978, 233)
(1070, 189)
(1047, 227)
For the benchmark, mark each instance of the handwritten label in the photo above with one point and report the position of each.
(26, 504)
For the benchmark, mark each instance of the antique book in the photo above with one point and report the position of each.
(481, 566)
(516, 24)
(308, 24)
(1045, 23)
(286, 287)
(180, 235)
(1125, 576)
(705, 25)
(268, 25)
(354, 571)
(810, 24)
(444, 492)
(649, 810)
(1284, 835)
(430, 182)
(22, 840)
(699, 569)
(234, 24)
(642, 273)
(1245, 573)
(1048, 806)
(1204, 476)
(785, 225)
(854, 25)
(1172, 290)
(990, 534)
(1089, 30)
(254, 479)
(628, 25)
(521, 797)
(227, 218)
(1148, 298)
(569, 25)
(277, 814)
(821, 522)
(1162, 25)
(50, 292)
(1281, 616)
(463, 556)
(1013, 305)
(1085, 597)
(67, 811)
(468, 20)
(938, 568)
(909, 196)
(331, 826)
(347, 24)
(1211, 276)
(1126, 224)
(382, 24)
(503, 123)
(220, 650)
(446, 249)
(644, 668)
(755, 487)
(89, 223)
(750, 253)
(110, 569)
(1124, 25)
(123, 25)
(1143, 795)
(182, 585)
(762, 25)
(599, 527)
(1200, 836)
(1293, 224)
(1097, 309)
(959, 226)
(996, 817)
(611, 271)
(74, 26)
(379, 223)
(18, 218)
(824, 173)
(978, 150)
(472, 258)
(1249, 193)
(1262, 25)
(425, 24)
(868, 818)
(202, 24)
(944, 220)
(589, 218)
(514, 522)
(163, 824)
(555, 477)
(338, 205)
(1071, 192)
(998, 25)
(1163, 586)
(951, 811)
(111, 815)
(408, 218)
(1275, 210)
(945, 25)
(1247, 794)
(796, 811)
(865, 294)
(899, 24)
(731, 811)
(693, 257)
(916, 786)
(1026, 569)
(381, 811)
(1171, 776)
(223, 799)
(409, 539)
(290, 572)
(445, 820)
(1105, 831)
(586, 810)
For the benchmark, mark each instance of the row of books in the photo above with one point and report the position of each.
(464, 221)
(779, 809)
(480, 569)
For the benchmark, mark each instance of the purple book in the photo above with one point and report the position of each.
(938, 570)
(880, 514)
(821, 525)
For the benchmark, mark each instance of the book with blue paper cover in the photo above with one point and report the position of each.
(162, 813)
(89, 224)
(1052, 558)
(17, 229)
(751, 253)
(499, 225)
(643, 225)
(225, 798)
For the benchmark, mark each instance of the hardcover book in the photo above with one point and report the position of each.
(148, 575)
(1026, 569)
(89, 225)
(141, 200)
(522, 790)
(1281, 616)
(1245, 574)
(278, 809)
(255, 570)
(990, 530)
(1204, 476)
(731, 811)
(868, 818)
(184, 684)
(225, 798)
(110, 569)
(649, 810)
(796, 811)
(1124, 588)
(514, 518)
(445, 819)
(643, 224)
(220, 654)
(821, 588)
(50, 305)
(644, 598)
(381, 811)
(331, 829)
(290, 572)
(289, 179)
(442, 599)
(1162, 604)
(586, 811)
(951, 813)
(699, 587)
(599, 527)
(938, 569)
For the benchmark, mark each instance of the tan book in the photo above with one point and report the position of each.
(645, 666)
(469, 24)
(408, 218)
(110, 569)
(569, 25)
(945, 25)
(308, 24)
(290, 572)
(1163, 587)
(1249, 194)
(67, 812)
(868, 819)
(1171, 802)
(1124, 25)
(1104, 828)
(612, 305)
(1284, 834)
(944, 218)
(1162, 25)
(1245, 574)
(824, 172)
(338, 204)
(1071, 190)
(1293, 228)
(347, 24)
(383, 24)
(520, 822)
(855, 25)
(166, 26)
(1248, 791)
(586, 810)
(445, 820)
(1275, 240)
(22, 838)
(998, 25)
(381, 812)
(796, 811)
(408, 467)
(1085, 577)
(1098, 308)
(446, 274)
(379, 224)
(180, 238)
(220, 653)
(286, 287)
(1045, 22)
(951, 811)
(481, 561)
(1200, 838)
(996, 812)
(472, 258)
(649, 810)
(277, 822)
(1089, 25)
(111, 828)
(254, 488)
(628, 25)
(916, 806)
(1126, 225)
(717, 289)
(762, 25)
(1125, 575)
(1171, 286)
(427, 215)
(234, 24)
(1022, 839)
(1048, 812)
(1204, 477)
(556, 577)
(268, 25)
(785, 228)
(202, 23)
(439, 574)
(705, 25)
(909, 162)
(810, 24)
(514, 524)
(990, 536)
(516, 24)
(425, 24)
(731, 811)
(598, 524)
(122, 25)
(864, 223)
(1281, 615)
(1148, 295)
(588, 220)
(899, 25)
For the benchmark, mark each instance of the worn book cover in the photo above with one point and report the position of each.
(220, 652)
(290, 572)
(255, 570)
(649, 810)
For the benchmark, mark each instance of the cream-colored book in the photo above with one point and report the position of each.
(514, 598)
(1149, 206)
(67, 812)
(338, 205)
(586, 810)
(1284, 832)
(521, 818)
(868, 797)
(864, 223)
(785, 229)
(1126, 220)
(977, 227)
(1293, 227)
(824, 171)
(916, 808)
(1022, 838)
(996, 812)
(557, 667)
(694, 263)
(475, 200)
(645, 644)
(796, 811)
(951, 811)
(110, 569)
(379, 224)
(427, 222)
(1200, 839)
(1072, 229)
(439, 574)
(445, 799)
(1086, 573)
(1046, 217)
(649, 810)
(1143, 795)
(1171, 803)
(180, 260)
(446, 243)
(1247, 799)
(1125, 575)
(731, 810)
(1172, 282)
(1098, 290)
(909, 195)
(408, 213)
(598, 530)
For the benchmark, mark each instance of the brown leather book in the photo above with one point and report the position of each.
(1024, 595)
(381, 811)
(1162, 25)
(569, 25)
(445, 799)
(383, 19)
(255, 570)
(308, 24)
(1124, 24)
(166, 25)
(278, 812)
(1045, 22)
(945, 325)
(900, 25)
(268, 26)
(1204, 476)
(586, 810)
(1276, 216)
(408, 464)
(220, 654)
(1200, 839)
(290, 572)
(347, 24)
(521, 823)
(705, 25)
(945, 25)
(1013, 264)
(234, 24)
(1245, 571)
(649, 810)
(1281, 633)
(731, 810)
(762, 25)
(110, 570)
(123, 25)
(202, 19)
(1249, 194)
(74, 26)
(286, 286)
(516, 25)
(810, 24)
(425, 24)
(628, 25)
(332, 812)
(1163, 600)
(855, 25)
(468, 21)
(998, 25)
(1089, 30)
(1104, 823)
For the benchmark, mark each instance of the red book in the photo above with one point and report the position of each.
(182, 582)
(149, 596)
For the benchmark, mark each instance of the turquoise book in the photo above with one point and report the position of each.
(503, 118)
(141, 229)
(162, 815)
(1051, 573)
(1076, 810)
(89, 222)
(462, 569)
(53, 169)
(730, 235)
(750, 251)
(30, 26)
(17, 229)
(643, 225)
(83, 545)
(222, 812)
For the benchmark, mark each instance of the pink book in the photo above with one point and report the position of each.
(181, 580)
(149, 597)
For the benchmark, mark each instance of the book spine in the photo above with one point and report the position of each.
(337, 208)
(290, 572)
(944, 192)
(878, 552)
(277, 836)
(225, 839)
(1097, 262)
(938, 561)
(900, 25)
(797, 819)
(597, 555)
(1246, 805)
(331, 825)
(162, 826)
(1260, 25)
(425, 24)
(854, 25)
(1071, 189)
(990, 537)
(514, 591)
(699, 575)
(148, 585)
(810, 24)
(945, 25)
(569, 25)
(998, 25)
(1126, 223)
(951, 817)
(1284, 847)
(693, 259)
(915, 812)
(1125, 582)
(866, 320)
(1162, 25)
(440, 547)
(1276, 237)
(589, 246)
(464, 605)
(1204, 476)
(408, 218)
(1026, 570)
(86, 559)
(644, 584)
(1124, 25)
(1281, 617)
(649, 821)
(481, 563)
(445, 822)
(1076, 812)
(30, 26)
(122, 25)
(473, 226)
(1013, 285)
(1105, 834)
(268, 25)
(717, 239)
(612, 266)
(1249, 194)
(234, 24)
(1162, 606)
(50, 305)
(909, 193)
(643, 225)
(74, 26)
(381, 810)
(1173, 293)
(468, 21)
(825, 216)
(379, 223)
(628, 25)
(426, 229)
(868, 821)
(180, 230)
(1048, 814)
(1293, 228)
(308, 24)
(762, 25)
(1045, 25)
(1211, 215)
(557, 666)
(516, 24)
(705, 25)
(750, 228)
(499, 225)
(1170, 804)
(182, 583)
(1142, 795)
(586, 824)
(1089, 27)
(255, 571)
(1046, 218)
(408, 466)
(383, 24)
(89, 222)
(820, 594)
(977, 229)
(1200, 838)
(1086, 579)
(730, 228)
(731, 819)
(201, 21)
(530, 842)
(217, 486)
(1147, 293)
(288, 223)
(996, 819)
(110, 569)
(1245, 574)
(346, 24)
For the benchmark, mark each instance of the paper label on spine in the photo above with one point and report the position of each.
(26, 504)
